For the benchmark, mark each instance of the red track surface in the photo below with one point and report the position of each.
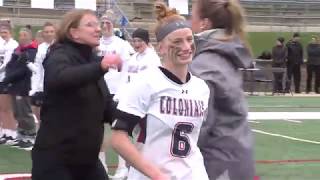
(288, 161)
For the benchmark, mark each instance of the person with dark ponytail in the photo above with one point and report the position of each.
(226, 141)
(169, 105)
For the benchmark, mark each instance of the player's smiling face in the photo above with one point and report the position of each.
(178, 47)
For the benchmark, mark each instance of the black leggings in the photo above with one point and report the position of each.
(48, 168)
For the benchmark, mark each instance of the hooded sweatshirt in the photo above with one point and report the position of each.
(279, 56)
(225, 136)
(295, 53)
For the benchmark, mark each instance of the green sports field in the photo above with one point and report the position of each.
(259, 41)
(278, 158)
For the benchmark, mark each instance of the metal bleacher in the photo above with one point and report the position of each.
(20, 12)
(282, 12)
(258, 12)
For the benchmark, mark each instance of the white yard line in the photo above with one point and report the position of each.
(256, 122)
(293, 121)
(5, 176)
(284, 115)
(286, 137)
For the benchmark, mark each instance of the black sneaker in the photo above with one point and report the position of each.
(6, 139)
(24, 144)
(3, 140)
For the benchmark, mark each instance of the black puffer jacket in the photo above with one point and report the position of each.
(17, 74)
(295, 53)
(76, 104)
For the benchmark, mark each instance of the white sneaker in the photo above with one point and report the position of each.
(121, 174)
(12, 142)
(7, 140)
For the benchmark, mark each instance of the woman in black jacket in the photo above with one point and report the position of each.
(76, 103)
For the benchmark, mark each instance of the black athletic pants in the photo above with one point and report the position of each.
(295, 71)
(47, 167)
(313, 71)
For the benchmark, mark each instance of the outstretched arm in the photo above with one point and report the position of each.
(121, 143)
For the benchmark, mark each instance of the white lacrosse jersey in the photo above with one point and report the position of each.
(173, 114)
(137, 63)
(37, 78)
(141, 61)
(6, 51)
(115, 45)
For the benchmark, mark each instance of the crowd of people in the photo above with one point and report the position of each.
(176, 111)
(290, 56)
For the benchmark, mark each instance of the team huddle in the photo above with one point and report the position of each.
(177, 111)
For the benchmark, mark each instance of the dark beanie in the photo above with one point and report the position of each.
(281, 40)
(142, 34)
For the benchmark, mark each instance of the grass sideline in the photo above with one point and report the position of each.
(274, 148)
(267, 147)
(283, 104)
(261, 41)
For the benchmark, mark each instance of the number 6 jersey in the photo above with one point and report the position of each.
(171, 115)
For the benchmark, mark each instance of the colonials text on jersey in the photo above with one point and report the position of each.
(181, 107)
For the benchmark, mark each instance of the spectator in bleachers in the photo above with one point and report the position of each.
(48, 33)
(7, 121)
(313, 65)
(279, 58)
(18, 77)
(226, 140)
(294, 62)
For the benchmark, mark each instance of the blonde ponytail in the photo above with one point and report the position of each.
(165, 15)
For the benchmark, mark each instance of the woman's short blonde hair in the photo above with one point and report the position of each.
(70, 20)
